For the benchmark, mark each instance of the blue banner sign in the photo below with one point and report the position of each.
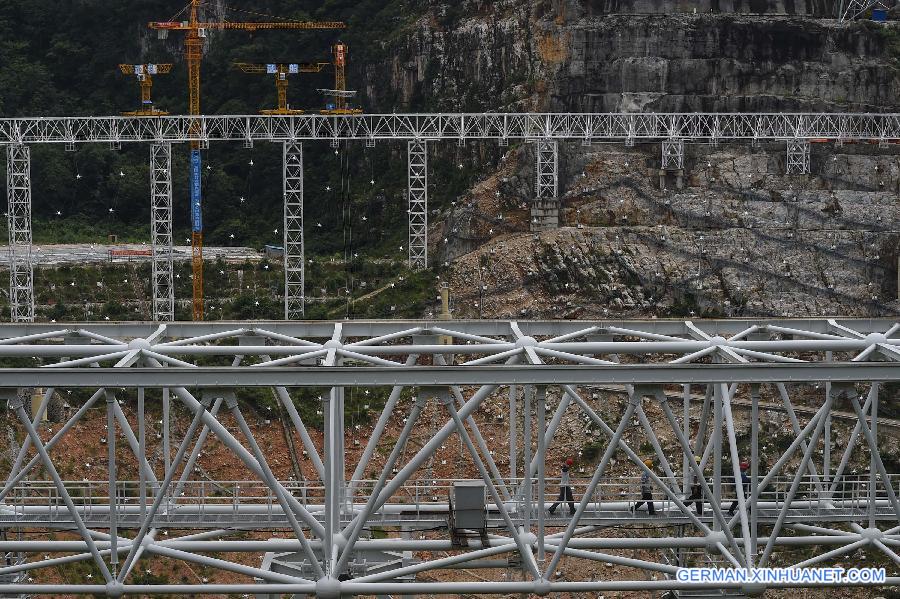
(196, 203)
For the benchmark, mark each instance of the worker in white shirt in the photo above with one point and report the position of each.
(565, 491)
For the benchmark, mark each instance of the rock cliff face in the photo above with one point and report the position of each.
(741, 238)
(594, 55)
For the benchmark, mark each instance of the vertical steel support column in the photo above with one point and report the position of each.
(873, 456)
(672, 162)
(673, 155)
(113, 483)
(754, 472)
(335, 487)
(161, 232)
(717, 453)
(826, 449)
(294, 250)
(418, 204)
(798, 157)
(527, 494)
(513, 433)
(686, 430)
(21, 267)
(545, 209)
(541, 397)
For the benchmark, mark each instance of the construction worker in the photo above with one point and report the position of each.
(646, 490)
(745, 483)
(696, 490)
(565, 491)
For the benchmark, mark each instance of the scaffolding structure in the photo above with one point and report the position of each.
(573, 383)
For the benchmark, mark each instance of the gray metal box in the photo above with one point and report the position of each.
(468, 504)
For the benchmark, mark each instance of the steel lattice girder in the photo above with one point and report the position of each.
(294, 249)
(161, 232)
(21, 267)
(418, 204)
(798, 155)
(622, 127)
(547, 171)
(673, 154)
(326, 517)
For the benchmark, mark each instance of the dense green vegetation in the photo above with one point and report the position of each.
(248, 291)
(59, 57)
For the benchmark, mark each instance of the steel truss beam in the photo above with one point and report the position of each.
(418, 204)
(21, 267)
(294, 249)
(326, 515)
(583, 127)
(161, 232)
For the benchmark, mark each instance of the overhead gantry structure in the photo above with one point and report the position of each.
(546, 131)
(680, 402)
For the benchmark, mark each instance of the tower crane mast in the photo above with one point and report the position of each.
(144, 74)
(281, 73)
(340, 93)
(195, 34)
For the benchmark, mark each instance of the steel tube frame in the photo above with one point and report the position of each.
(294, 248)
(417, 150)
(593, 127)
(330, 531)
(18, 220)
(163, 277)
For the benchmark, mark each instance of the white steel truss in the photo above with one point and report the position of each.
(679, 384)
(849, 10)
(161, 232)
(545, 208)
(798, 154)
(582, 127)
(547, 173)
(294, 251)
(418, 204)
(18, 218)
(673, 155)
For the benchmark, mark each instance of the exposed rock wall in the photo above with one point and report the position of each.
(741, 239)
(588, 56)
(817, 8)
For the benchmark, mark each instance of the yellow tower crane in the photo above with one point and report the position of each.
(340, 93)
(281, 73)
(144, 74)
(196, 33)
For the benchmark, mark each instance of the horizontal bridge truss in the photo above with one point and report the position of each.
(692, 392)
(624, 127)
(547, 130)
